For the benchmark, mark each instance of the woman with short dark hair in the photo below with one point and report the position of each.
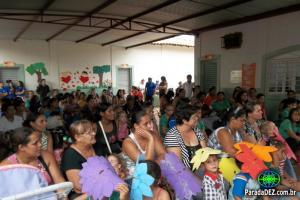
(184, 139)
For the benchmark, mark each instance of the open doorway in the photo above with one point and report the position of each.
(124, 79)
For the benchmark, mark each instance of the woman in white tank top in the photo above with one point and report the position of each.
(141, 143)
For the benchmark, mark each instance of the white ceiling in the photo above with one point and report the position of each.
(120, 9)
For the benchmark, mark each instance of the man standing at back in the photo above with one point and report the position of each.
(43, 89)
(149, 90)
(188, 87)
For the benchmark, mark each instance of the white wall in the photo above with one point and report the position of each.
(259, 38)
(156, 61)
(147, 61)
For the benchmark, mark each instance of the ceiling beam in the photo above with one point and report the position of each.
(89, 14)
(53, 15)
(128, 19)
(45, 7)
(151, 41)
(56, 22)
(268, 14)
(198, 14)
(66, 17)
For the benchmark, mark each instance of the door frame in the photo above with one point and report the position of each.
(217, 58)
(130, 77)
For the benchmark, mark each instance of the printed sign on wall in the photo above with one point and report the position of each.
(236, 76)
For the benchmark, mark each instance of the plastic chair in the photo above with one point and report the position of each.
(26, 182)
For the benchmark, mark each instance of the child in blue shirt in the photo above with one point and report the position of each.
(20, 89)
(3, 91)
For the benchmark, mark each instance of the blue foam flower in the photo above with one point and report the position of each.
(141, 183)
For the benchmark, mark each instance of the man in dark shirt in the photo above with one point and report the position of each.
(43, 89)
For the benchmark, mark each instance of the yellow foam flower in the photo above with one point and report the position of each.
(201, 155)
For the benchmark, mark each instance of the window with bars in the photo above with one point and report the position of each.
(9, 73)
(282, 75)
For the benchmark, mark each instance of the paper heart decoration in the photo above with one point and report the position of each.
(66, 79)
(66, 76)
(84, 79)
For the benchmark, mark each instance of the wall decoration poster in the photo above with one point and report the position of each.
(248, 75)
(37, 68)
(85, 77)
(236, 76)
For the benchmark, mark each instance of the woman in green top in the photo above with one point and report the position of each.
(290, 129)
(221, 104)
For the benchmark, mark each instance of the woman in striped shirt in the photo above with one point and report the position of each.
(184, 139)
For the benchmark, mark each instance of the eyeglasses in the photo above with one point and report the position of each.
(89, 132)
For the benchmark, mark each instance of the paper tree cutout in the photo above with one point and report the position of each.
(38, 69)
(100, 70)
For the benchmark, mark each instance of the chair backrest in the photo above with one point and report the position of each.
(16, 179)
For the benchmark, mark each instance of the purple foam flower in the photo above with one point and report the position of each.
(98, 178)
(181, 178)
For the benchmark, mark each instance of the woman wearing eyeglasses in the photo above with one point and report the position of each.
(83, 134)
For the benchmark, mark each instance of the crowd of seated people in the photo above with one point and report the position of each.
(57, 132)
